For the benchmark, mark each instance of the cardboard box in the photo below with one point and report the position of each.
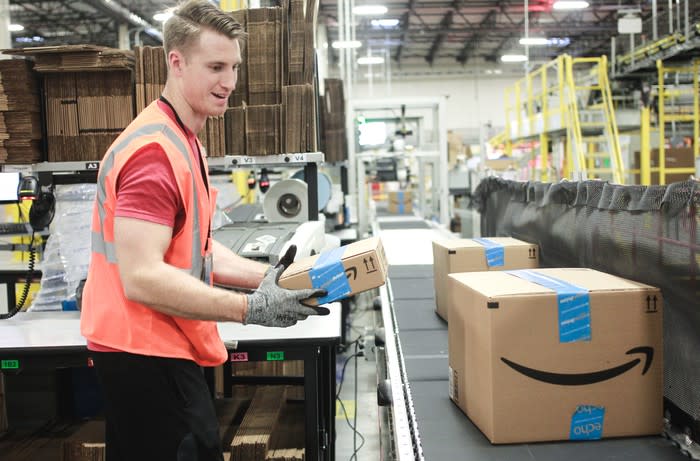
(523, 375)
(344, 271)
(400, 202)
(468, 255)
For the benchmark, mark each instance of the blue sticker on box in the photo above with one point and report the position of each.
(328, 274)
(495, 255)
(587, 423)
(573, 303)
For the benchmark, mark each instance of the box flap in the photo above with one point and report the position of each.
(352, 249)
(500, 283)
(452, 244)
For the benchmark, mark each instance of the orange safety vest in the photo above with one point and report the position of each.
(108, 318)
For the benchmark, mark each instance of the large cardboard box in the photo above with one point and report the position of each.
(400, 202)
(473, 255)
(344, 271)
(580, 360)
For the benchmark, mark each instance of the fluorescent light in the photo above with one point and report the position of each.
(370, 60)
(534, 41)
(16, 27)
(346, 44)
(370, 10)
(384, 22)
(163, 16)
(513, 58)
(570, 5)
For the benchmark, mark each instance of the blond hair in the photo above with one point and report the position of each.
(183, 29)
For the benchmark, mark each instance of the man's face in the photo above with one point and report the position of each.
(210, 72)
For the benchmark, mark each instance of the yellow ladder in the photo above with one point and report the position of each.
(679, 104)
(595, 140)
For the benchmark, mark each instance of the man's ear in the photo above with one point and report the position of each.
(176, 61)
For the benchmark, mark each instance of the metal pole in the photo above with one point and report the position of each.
(613, 56)
(645, 150)
(670, 17)
(527, 35)
(5, 34)
(654, 21)
(678, 15)
(687, 23)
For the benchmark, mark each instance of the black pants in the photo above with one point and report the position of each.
(156, 409)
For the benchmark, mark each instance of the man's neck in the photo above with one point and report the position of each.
(192, 121)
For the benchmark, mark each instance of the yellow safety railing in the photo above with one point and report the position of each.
(546, 103)
(667, 115)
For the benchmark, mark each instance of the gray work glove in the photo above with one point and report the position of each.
(273, 306)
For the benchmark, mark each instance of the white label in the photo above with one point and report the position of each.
(451, 383)
(247, 160)
(26, 170)
(298, 157)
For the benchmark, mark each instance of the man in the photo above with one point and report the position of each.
(149, 308)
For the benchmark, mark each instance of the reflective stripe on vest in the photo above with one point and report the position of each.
(99, 244)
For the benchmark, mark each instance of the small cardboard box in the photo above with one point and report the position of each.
(528, 363)
(400, 202)
(344, 271)
(469, 255)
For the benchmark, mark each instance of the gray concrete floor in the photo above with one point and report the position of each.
(365, 404)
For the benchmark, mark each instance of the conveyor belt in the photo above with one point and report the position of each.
(408, 224)
(445, 432)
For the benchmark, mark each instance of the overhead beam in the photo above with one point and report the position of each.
(472, 43)
(440, 37)
(405, 24)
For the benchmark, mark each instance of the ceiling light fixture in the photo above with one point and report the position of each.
(570, 5)
(365, 60)
(337, 44)
(370, 10)
(16, 27)
(534, 41)
(384, 22)
(513, 58)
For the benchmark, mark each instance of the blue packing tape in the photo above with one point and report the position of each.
(328, 274)
(495, 254)
(573, 303)
(587, 423)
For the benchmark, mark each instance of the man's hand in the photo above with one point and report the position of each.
(273, 306)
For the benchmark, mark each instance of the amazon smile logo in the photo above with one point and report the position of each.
(581, 379)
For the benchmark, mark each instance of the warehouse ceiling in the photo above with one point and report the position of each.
(428, 32)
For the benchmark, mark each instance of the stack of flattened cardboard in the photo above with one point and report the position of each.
(151, 74)
(262, 138)
(85, 112)
(3, 405)
(275, 97)
(288, 440)
(264, 57)
(89, 97)
(87, 443)
(252, 441)
(298, 102)
(20, 121)
(76, 58)
(333, 139)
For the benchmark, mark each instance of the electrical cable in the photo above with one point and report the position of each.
(354, 422)
(27, 283)
(352, 426)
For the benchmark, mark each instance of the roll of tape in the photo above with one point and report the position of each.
(287, 201)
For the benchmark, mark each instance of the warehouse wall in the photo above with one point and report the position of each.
(472, 102)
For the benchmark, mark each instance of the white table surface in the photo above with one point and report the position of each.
(29, 330)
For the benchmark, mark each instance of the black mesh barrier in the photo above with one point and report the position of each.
(648, 234)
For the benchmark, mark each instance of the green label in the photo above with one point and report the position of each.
(275, 355)
(9, 365)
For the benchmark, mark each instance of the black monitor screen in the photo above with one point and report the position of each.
(9, 183)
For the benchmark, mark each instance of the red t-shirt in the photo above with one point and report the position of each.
(147, 190)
